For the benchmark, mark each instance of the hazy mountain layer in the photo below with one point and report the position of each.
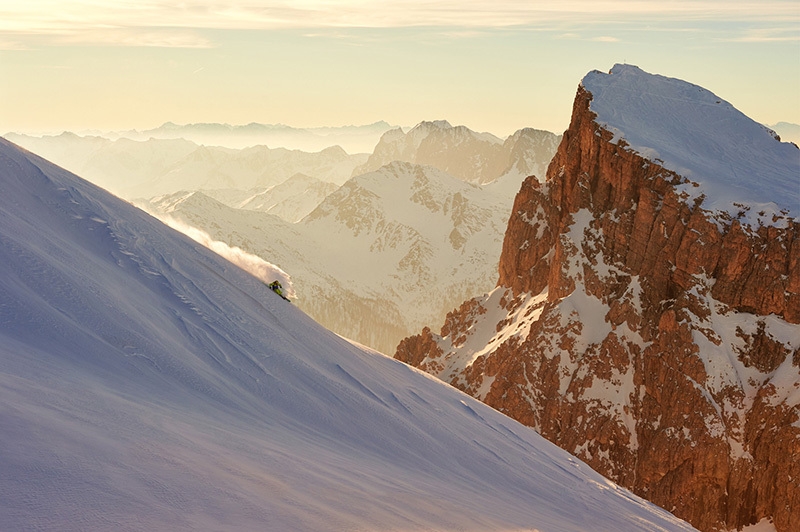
(788, 132)
(143, 169)
(353, 139)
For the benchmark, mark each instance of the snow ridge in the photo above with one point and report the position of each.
(741, 168)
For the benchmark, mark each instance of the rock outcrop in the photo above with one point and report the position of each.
(650, 334)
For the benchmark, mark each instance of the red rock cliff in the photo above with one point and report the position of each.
(654, 339)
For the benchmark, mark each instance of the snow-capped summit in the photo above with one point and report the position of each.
(148, 384)
(737, 162)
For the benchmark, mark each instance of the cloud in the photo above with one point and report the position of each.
(142, 37)
(464, 34)
(605, 38)
(769, 35)
(78, 16)
(12, 45)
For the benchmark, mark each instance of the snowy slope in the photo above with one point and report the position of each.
(677, 123)
(147, 384)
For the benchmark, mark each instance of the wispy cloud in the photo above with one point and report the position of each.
(144, 37)
(464, 34)
(55, 16)
(769, 35)
(12, 45)
(606, 38)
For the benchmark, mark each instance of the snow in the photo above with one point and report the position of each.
(148, 384)
(765, 525)
(720, 337)
(485, 336)
(739, 166)
(250, 263)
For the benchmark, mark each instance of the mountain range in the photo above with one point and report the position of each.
(142, 169)
(384, 254)
(647, 312)
(646, 319)
(389, 251)
(788, 132)
(148, 384)
(353, 139)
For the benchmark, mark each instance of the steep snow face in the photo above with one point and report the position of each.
(741, 169)
(146, 383)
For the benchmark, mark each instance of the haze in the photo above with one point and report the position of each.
(493, 66)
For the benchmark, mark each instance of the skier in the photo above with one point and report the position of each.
(277, 287)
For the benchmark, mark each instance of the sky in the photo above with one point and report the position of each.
(492, 65)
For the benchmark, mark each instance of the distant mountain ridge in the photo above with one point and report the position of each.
(788, 132)
(477, 158)
(291, 200)
(142, 169)
(354, 139)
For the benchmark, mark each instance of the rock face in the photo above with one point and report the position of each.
(652, 336)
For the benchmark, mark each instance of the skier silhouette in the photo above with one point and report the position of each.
(277, 287)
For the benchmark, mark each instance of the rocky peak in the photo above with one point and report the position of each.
(641, 322)
(474, 157)
(530, 151)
